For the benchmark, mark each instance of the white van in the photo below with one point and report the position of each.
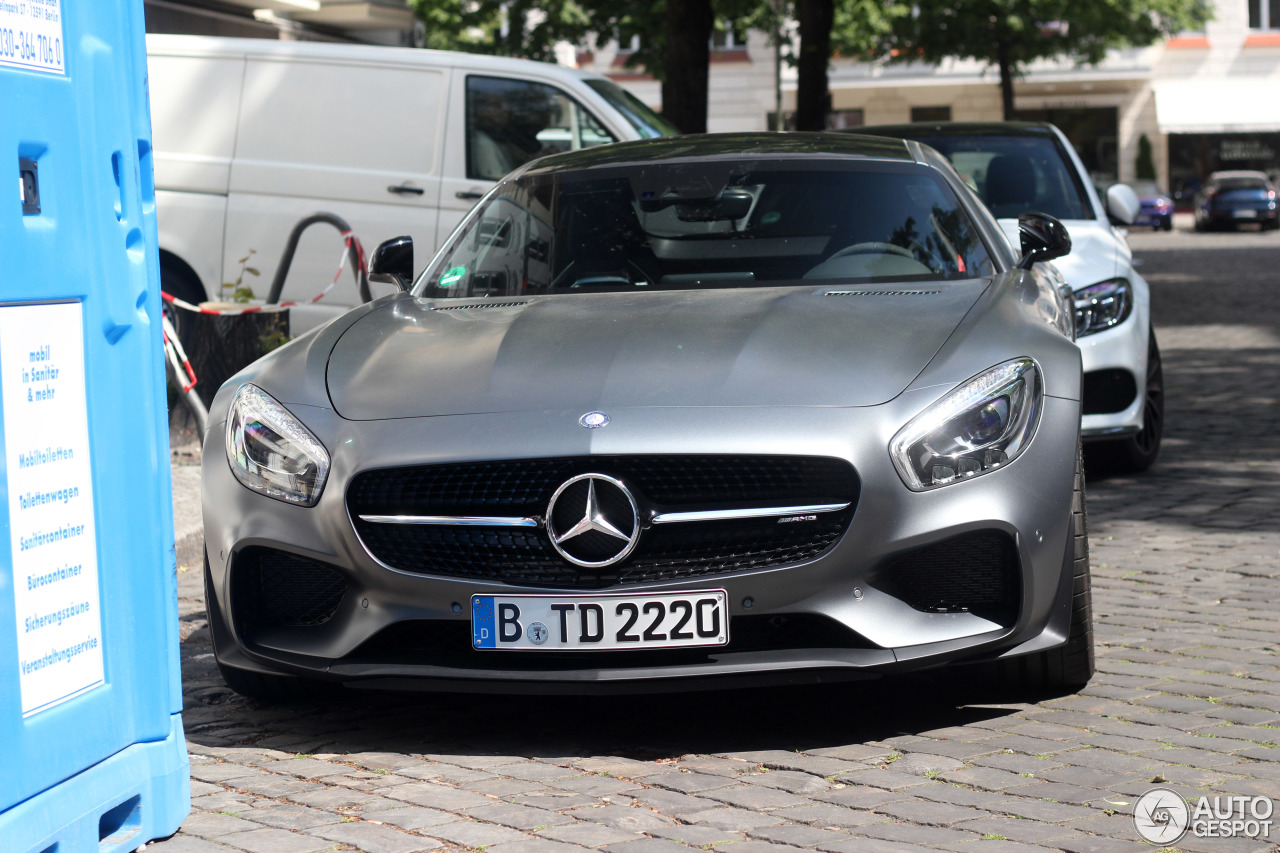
(252, 135)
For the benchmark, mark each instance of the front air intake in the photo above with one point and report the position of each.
(273, 589)
(971, 573)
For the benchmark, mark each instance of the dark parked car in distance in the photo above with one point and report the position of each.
(1231, 198)
(1156, 206)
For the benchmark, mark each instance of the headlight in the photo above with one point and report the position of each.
(1102, 305)
(980, 426)
(271, 452)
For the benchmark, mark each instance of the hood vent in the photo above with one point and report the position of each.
(478, 305)
(881, 292)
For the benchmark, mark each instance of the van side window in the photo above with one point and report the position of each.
(510, 122)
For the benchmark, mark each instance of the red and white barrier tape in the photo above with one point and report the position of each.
(177, 355)
(352, 242)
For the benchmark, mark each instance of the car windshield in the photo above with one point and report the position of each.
(648, 124)
(710, 224)
(1016, 174)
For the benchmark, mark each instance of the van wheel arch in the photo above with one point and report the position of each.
(177, 278)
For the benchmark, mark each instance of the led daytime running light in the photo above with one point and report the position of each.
(980, 426)
(1103, 305)
(271, 452)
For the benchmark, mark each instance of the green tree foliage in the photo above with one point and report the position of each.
(525, 28)
(1009, 34)
(826, 28)
(672, 36)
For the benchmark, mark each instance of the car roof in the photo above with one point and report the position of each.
(956, 128)
(732, 146)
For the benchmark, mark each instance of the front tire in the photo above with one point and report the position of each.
(1139, 452)
(1069, 667)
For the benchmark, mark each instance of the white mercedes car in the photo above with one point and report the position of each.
(1019, 167)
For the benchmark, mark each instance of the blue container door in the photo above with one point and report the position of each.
(88, 620)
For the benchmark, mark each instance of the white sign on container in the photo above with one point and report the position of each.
(31, 35)
(53, 543)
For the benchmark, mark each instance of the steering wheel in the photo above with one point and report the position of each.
(878, 248)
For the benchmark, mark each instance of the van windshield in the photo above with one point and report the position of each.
(710, 224)
(648, 124)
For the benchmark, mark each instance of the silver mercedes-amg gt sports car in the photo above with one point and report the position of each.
(675, 414)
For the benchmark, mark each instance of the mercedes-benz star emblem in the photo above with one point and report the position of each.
(594, 420)
(593, 521)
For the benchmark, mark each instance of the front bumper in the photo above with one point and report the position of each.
(844, 589)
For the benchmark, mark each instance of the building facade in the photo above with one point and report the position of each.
(388, 22)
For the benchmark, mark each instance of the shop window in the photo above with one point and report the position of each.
(930, 114)
(1264, 14)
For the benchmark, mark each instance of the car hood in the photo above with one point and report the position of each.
(784, 346)
(1098, 252)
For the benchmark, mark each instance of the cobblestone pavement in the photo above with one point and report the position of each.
(1186, 562)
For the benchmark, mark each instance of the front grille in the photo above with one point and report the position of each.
(272, 589)
(438, 642)
(972, 573)
(523, 488)
(1108, 391)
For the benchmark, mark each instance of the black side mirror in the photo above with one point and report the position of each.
(392, 262)
(1043, 239)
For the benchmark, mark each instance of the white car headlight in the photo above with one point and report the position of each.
(1103, 305)
(981, 425)
(271, 452)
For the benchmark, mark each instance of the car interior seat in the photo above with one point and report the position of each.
(1010, 186)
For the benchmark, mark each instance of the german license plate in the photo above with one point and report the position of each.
(604, 622)
(1245, 214)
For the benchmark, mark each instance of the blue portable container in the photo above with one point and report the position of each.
(92, 755)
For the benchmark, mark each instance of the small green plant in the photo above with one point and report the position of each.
(991, 836)
(1145, 165)
(380, 771)
(238, 291)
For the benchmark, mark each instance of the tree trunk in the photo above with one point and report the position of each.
(1006, 79)
(687, 65)
(813, 95)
